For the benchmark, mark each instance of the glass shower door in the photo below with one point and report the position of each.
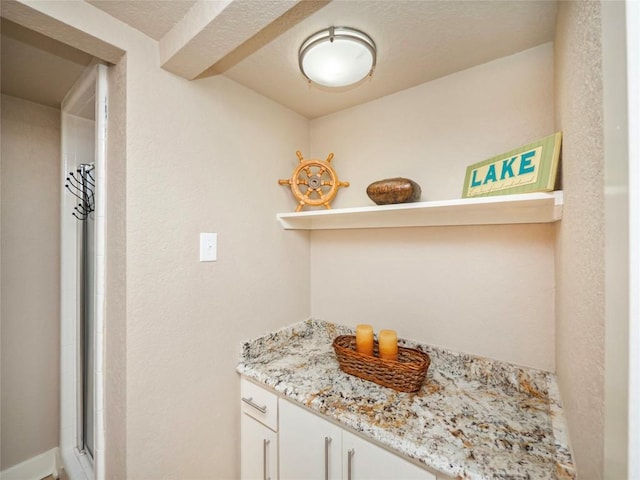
(84, 119)
(87, 322)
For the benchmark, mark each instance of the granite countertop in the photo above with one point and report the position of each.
(474, 418)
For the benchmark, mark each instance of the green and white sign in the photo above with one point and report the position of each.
(531, 168)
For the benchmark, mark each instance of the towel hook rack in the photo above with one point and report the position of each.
(82, 184)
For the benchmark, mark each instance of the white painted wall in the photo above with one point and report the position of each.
(620, 249)
(487, 290)
(30, 282)
(633, 91)
(580, 260)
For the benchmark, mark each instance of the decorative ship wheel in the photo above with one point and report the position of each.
(314, 182)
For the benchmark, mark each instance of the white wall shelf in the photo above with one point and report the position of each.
(500, 210)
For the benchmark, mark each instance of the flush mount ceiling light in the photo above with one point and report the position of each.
(337, 57)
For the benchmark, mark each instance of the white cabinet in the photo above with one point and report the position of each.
(310, 447)
(282, 440)
(259, 450)
(314, 448)
(258, 433)
(366, 461)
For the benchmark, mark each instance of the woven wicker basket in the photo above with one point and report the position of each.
(405, 375)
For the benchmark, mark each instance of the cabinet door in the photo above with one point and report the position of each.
(259, 450)
(365, 461)
(310, 447)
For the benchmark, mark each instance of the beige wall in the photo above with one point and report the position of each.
(201, 156)
(580, 237)
(621, 248)
(31, 184)
(487, 289)
(204, 159)
(205, 156)
(115, 316)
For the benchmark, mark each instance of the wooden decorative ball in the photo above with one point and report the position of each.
(394, 190)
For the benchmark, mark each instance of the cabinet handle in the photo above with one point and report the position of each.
(327, 442)
(249, 401)
(265, 447)
(350, 455)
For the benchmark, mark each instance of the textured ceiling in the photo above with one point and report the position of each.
(154, 18)
(418, 40)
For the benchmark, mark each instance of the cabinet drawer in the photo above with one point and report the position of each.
(259, 404)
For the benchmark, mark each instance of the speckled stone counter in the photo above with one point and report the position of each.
(474, 418)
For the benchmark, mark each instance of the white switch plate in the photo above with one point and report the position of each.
(208, 247)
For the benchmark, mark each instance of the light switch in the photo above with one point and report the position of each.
(208, 247)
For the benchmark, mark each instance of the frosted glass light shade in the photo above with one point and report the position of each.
(337, 57)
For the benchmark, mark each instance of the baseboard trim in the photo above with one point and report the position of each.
(35, 468)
